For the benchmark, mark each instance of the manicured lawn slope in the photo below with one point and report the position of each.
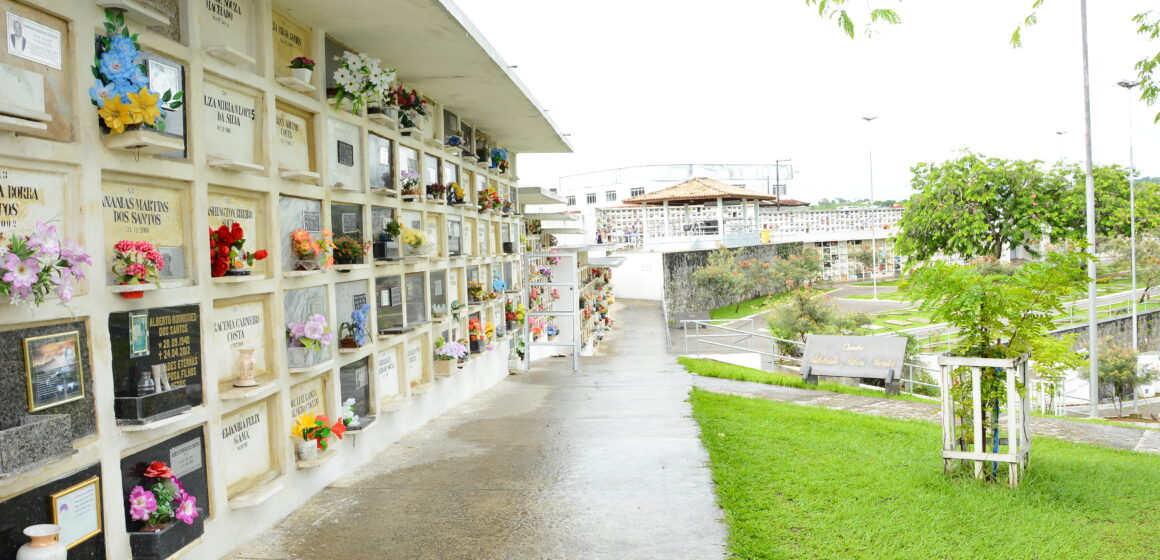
(803, 482)
(711, 368)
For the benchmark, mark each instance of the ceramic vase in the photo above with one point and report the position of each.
(443, 367)
(246, 368)
(44, 545)
(308, 450)
(301, 74)
(297, 356)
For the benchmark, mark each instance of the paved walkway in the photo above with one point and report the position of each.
(605, 463)
(1144, 440)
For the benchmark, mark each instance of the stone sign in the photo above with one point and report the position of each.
(291, 40)
(28, 196)
(245, 437)
(347, 219)
(415, 363)
(143, 340)
(349, 296)
(38, 50)
(875, 357)
(230, 120)
(14, 398)
(227, 209)
(387, 362)
(292, 144)
(343, 162)
(307, 397)
(236, 326)
(146, 213)
(229, 24)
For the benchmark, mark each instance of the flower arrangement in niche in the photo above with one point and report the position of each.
(412, 107)
(353, 333)
(499, 159)
(137, 262)
(226, 255)
(39, 264)
(410, 180)
(317, 428)
(455, 140)
(415, 240)
(475, 291)
(349, 418)
(360, 78)
(450, 351)
(456, 193)
(436, 191)
(121, 93)
(164, 503)
(311, 251)
(313, 334)
(489, 330)
(349, 250)
(515, 313)
(474, 329)
(302, 62)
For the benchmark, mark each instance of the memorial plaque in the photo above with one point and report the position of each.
(291, 40)
(387, 363)
(15, 384)
(413, 219)
(430, 169)
(245, 437)
(388, 290)
(293, 146)
(301, 303)
(295, 214)
(346, 219)
(35, 507)
(453, 284)
(431, 229)
(226, 208)
(167, 75)
(307, 397)
(380, 217)
(230, 119)
(174, 341)
(854, 356)
(237, 326)
(28, 196)
(380, 156)
(30, 40)
(146, 213)
(229, 23)
(349, 296)
(415, 373)
(355, 384)
(344, 165)
(185, 456)
(39, 49)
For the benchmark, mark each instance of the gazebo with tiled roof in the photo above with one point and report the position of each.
(702, 191)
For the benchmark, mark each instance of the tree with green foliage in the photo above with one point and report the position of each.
(809, 313)
(1147, 260)
(1120, 371)
(1113, 213)
(721, 279)
(976, 205)
(796, 270)
(863, 256)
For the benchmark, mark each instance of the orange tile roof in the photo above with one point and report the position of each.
(700, 189)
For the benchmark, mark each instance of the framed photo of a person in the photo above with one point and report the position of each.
(53, 370)
(139, 333)
(77, 509)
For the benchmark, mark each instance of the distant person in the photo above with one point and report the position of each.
(599, 238)
(16, 41)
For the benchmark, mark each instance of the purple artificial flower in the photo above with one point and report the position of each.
(75, 255)
(22, 274)
(64, 285)
(43, 240)
(142, 504)
(187, 510)
(297, 330)
(313, 330)
(327, 338)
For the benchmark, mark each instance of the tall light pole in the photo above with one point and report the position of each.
(1128, 85)
(873, 230)
(1060, 133)
(1090, 199)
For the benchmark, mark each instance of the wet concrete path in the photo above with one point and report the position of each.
(604, 463)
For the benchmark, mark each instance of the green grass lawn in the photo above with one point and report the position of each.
(755, 305)
(710, 368)
(805, 482)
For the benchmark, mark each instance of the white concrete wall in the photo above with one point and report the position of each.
(642, 276)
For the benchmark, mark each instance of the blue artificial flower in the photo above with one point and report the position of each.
(116, 66)
(123, 87)
(139, 79)
(99, 92)
(123, 45)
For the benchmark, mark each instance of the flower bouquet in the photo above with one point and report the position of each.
(349, 417)
(489, 330)
(416, 242)
(353, 333)
(348, 250)
(311, 252)
(436, 192)
(455, 194)
(306, 339)
(301, 68)
(456, 306)
(475, 292)
(515, 315)
(499, 158)
(164, 503)
(412, 109)
(359, 78)
(551, 331)
(37, 265)
(136, 262)
(410, 184)
(121, 93)
(445, 353)
(315, 431)
(226, 256)
(475, 333)
(387, 247)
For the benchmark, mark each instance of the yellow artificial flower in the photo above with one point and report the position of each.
(303, 422)
(145, 106)
(116, 114)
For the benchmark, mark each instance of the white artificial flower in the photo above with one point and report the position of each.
(344, 77)
(351, 60)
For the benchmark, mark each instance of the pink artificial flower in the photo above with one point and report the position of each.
(154, 256)
(313, 330)
(64, 286)
(21, 274)
(297, 329)
(137, 270)
(44, 241)
(75, 255)
(186, 510)
(124, 246)
(142, 503)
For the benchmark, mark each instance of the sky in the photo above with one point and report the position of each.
(637, 82)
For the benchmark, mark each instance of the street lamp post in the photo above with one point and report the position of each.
(873, 230)
(1128, 85)
(1060, 133)
(1090, 209)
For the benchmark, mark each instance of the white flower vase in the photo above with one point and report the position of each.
(298, 356)
(301, 74)
(308, 450)
(45, 544)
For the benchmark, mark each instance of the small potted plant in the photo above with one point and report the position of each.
(306, 339)
(475, 334)
(410, 185)
(314, 431)
(311, 253)
(445, 353)
(387, 247)
(516, 361)
(136, 263)
(456, 307)
(436, 193)
(301, 68)
(383, 106)
(348, 250)
(160, 503)
(226, 255)
(353, 333)
(489, 331)
(464, 359)
(412, 111)
(515, 315)
(506, 206)
(551, 331)
(416, 242)
(475, 292)
(39, 265)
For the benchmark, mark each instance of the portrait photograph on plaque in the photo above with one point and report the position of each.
(77, 510)
(138, 334)
(53, 369)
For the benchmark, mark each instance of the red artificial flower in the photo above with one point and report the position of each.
(338, 428)
(157, 469)
(261, 254)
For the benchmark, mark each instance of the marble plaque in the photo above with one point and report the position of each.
(450, 173)
(387, 364)
(380, 217)
(415, 363)
(431, 228)
(236, 326)
(14, 397)
(34, 507)
(413, 219)
(230, 121)
(292, 145)
(185, 456)
(453, 285)
(28, 196)
(146, 213)
(229, 23)
(346, 219)
(430, 169)
(301, 303)
(295, 214)
(307, 397)
(245, 437)
(32, 41)
(354, 379)
(227, 208)
(389, 297)
(349, 296)
(416, 287)
(344, 160)
(171, 337)
(409, 158)
(44, 38)
(380, 157)
(291, 40)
